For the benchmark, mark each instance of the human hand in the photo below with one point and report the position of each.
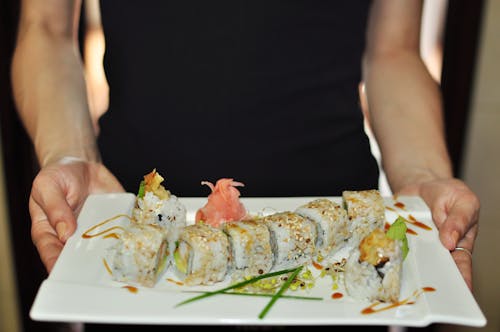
(57, 195)
(455, 211)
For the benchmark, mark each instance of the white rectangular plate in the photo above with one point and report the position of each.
(79, 288)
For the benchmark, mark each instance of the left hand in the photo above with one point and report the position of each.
(455, 211)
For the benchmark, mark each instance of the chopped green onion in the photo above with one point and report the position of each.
(293, 297)
(237, 285)
(142, 189)
(278, 294)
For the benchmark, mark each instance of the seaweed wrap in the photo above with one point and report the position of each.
(373, 270)
(250, 247)
(202, 255)
(330, 219)
(139, 255)
(293, 239)
(365, 212)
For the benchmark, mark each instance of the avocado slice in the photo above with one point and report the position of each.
(181, 259)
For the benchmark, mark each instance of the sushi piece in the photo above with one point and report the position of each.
(330, 219)
(293, 239)
(202, 255)
(139, 255)
(223, 203)
(365, 212)
(373, 270)
(155, 205)
(251, 250)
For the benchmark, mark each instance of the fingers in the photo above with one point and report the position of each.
(460, 224)
(455, 211)
(44, 236)
(464, 264)
(50, 198)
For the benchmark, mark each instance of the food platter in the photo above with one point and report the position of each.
(80, 289)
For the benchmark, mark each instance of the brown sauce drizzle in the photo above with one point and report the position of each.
(317, 266)
(107, 267)
(400, 205)
(131, 289)
(390, 209)
(408, 301)
(411, 231)
(87, 235)
(337, 295)
(112, 235)
(417, 223)
(408, 230)
(179, 283)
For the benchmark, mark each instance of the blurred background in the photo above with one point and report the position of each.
(460, 45)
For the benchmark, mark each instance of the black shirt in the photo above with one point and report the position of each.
(264, 92)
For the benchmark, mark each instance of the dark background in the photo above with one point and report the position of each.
(461, 36)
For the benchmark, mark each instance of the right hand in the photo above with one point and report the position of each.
(57, 195)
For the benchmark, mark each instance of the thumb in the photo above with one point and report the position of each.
(52, 203)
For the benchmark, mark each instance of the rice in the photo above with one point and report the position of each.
(250, 247)
(365, 212)
(139, 255)
(293, 239)
(378, 280)
(330, 219)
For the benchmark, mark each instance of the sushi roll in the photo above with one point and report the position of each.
(293, 239)
(139, 255)
(373, 270)
(330, 219)
(202, 255)
(365, 212)
(155, 205)
(251, 250)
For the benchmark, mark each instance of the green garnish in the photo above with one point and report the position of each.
(397, 231)
(280, 292)
(142, 189)
(237, 285)
(313, 298)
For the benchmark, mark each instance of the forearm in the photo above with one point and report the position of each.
(50, 94)
(406, 118)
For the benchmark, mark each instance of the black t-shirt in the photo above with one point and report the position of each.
(264, 92)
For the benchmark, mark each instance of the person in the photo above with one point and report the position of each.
(262, 91)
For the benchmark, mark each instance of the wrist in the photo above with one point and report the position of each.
(70, 156)
(410, 180)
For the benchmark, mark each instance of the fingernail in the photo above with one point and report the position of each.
(454, 237)
(61, 231)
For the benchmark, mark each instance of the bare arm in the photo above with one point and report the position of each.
(50, 95)
(48, 81)
(404, 100)
(405, 113)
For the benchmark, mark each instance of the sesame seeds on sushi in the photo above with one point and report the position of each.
(155, 205)
(139, 256)
(250, 247)
(330, 219)
(293, 239)
(202, 255)
(365, 212)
